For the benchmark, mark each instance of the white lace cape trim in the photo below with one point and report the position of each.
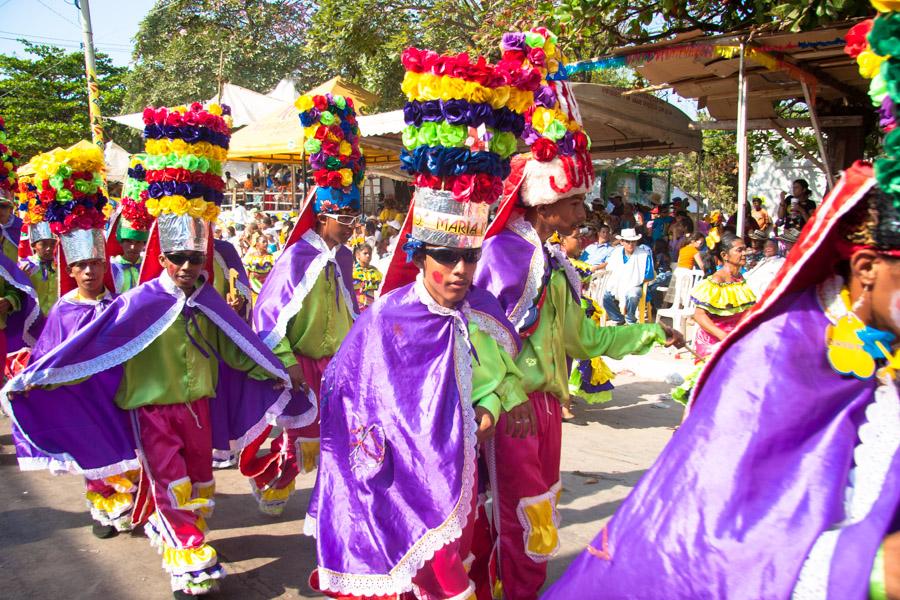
(536, 268)
(32, 316)
(399, 580)
(242, 289)
(301, 291)
(879, 442)
(569, 269)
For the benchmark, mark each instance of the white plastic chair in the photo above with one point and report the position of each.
(682, 309)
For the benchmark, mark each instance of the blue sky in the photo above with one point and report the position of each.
(115, 23)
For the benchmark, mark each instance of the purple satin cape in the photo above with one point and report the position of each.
(64, 320)
(397, 443)
(23, 327)
(79, 428)
(292, 277)
(505, 271)
(739, 496)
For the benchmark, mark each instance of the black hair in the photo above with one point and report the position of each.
(708, 259)
(696, 236)
(803, 183)
(726, 243)
(361, 247)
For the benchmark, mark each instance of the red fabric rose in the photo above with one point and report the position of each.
(174, 119)
(196, 107)
(330, 148)
(321, 178)
(537, 57)
(320, 102)
(336, 131)
(334, 179)
(581, 141)
(413, 60)
(148, 115)
(544, 150)
(856, 38)
(462, 187)
(321, 132)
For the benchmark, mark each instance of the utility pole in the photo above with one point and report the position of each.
(90, 67)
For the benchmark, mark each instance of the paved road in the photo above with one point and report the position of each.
(47, 550)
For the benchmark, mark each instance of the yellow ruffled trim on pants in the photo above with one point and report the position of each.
(115, 504)
(182, 560)
(182, 494)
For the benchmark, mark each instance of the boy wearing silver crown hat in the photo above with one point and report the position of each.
(540, 292)
(418, 383)
(307, 300)
(41, 265)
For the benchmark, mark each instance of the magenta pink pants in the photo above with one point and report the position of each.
(281, 473)
(525, 479)
(176, 441)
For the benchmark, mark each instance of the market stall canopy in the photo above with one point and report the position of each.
(706, 68)
(117, 161)
(246, 105)
(623, 125)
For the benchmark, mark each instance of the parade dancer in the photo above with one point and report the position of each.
(143, 374)
(40, 265)
(307, 300)
(131, 228)
(540, 292)
(10, 222)
(84, 294)
(420, 380)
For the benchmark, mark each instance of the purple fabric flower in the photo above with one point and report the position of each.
(886, 113)
(481, 113)
(226, 110)
(455, 111)
(545, 96)
(412, 114)
(566, 145)
(317, 161)
(530, 135)
(431, 111)
(58, 211)
(513, 41)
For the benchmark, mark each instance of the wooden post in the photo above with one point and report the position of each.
(743, 85)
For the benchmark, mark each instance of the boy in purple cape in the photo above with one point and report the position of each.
(307, 300)
(781, 484)
(540, 291)
(421, 379)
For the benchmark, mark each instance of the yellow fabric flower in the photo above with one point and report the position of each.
(845, 349)
(214, 109)
(410, 85)
(212, 212)
(886, 5)
(869, 63)
(452, 88)
(345, 148)
(477, 93)
(179, 205)
(152, 206)
(500, 96)
(429, 88)
(197, 208)
(346, 177)
(304, 103)
(165, 204)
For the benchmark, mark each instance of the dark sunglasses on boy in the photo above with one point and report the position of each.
(450, 257)
(179, 258)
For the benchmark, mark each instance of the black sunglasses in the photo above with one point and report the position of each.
(449, 257)
(179, 258)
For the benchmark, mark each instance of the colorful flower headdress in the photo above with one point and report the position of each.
(875, 44)
(331, 137)
(66, 189)
(136, 221)
(559, 164)
(553, 124)
(9, 160)
(463, 118)
(185, 149)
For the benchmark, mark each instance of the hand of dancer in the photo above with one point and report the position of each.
(298, 383)
(520, 421)
(485, 421)
(673, 337)
(236, 302)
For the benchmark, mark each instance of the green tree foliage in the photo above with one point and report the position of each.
(43, 98)
(185, 48)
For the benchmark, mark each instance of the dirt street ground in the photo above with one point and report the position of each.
(47, 550)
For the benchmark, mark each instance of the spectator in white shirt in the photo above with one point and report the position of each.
(630, 266)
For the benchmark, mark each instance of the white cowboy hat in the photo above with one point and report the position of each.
(628, 235)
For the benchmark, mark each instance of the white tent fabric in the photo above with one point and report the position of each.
(246, 105)
(285, 91)
(117, 161)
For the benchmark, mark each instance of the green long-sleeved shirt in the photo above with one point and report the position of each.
(496, 381)
(47, 289)
(323, 321)
(8, 292)
(172, 370)
(564, 330)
